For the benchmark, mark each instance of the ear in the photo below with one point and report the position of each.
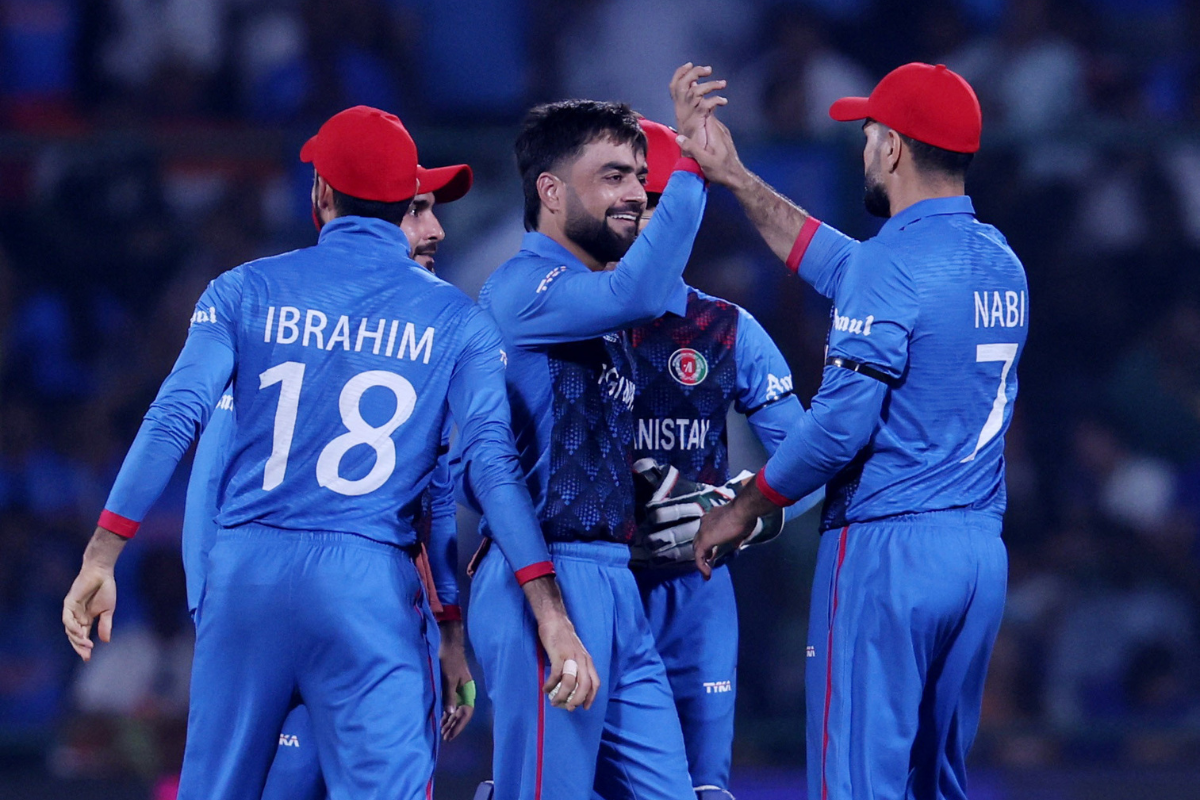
(893, 146)
(550, 191)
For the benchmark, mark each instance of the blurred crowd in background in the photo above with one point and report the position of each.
(148, 145)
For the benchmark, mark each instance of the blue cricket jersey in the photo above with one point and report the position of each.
(693, 364)
(937, 303)
(345, 359)
(570, 377)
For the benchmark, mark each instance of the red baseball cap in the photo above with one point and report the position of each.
(662, 152)
(447, 183)
(365, 153)
(931, 104)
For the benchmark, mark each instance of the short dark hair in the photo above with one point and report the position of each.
(935, 159)
(347, 206)
(558, 131)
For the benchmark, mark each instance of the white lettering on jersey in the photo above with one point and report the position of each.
(849, 325)
(672, 434)
(994, 309)
(284, 328)
(549, 279)
(225, 403)
(504, 358)
(288, 740)
(616, 386)
(777, 387)
(718, 687)
(203, 315)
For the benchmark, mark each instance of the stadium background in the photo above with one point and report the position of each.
(147, 145)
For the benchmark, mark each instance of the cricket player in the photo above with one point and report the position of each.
(564, 317)
(295, 772)
(930, 317)
(345, 359)
(704, 356)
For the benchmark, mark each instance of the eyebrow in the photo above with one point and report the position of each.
(620, 166)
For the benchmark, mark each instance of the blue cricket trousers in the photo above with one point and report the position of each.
(904, 614)
(695, 629)
(629, 744)
(335, 621)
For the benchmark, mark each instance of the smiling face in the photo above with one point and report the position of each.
(423, 230)
(604, 198)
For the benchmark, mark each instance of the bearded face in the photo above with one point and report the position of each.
(606, 236)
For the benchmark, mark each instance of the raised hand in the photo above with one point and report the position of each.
(715, 152)
(694, 101)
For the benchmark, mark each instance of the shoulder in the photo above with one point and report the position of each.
(515, 280)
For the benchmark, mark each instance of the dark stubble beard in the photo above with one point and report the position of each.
(594, 236)
(875, 198)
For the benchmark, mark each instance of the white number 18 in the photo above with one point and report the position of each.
(359, 431)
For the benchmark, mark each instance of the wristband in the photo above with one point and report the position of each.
(466, 694)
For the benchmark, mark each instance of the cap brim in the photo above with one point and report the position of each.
(849, 109)
(309, 151)
(446, 183)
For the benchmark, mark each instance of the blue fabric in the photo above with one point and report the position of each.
(696, 633)
(632, 724)
(296, 771)
(938, 302)
(337, 621)
(903, 618)
(569, 379)
(204, 496)
(350, 356)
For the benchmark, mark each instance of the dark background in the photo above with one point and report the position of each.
(148, 145)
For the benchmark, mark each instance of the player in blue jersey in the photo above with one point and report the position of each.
(563, 317)
(345, 359)
(693, 364)
(295, 772)
(929, 321)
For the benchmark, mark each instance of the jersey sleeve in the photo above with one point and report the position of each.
(821, 255)
(548, 303)
(875, 311)
(479, 405)
(203, 494)
(764, 384)
(841, 421)
(443, 538)
(184, 404)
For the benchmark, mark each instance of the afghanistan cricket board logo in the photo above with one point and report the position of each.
(688, 366)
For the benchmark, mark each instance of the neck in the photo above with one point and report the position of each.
(903, 196)
(574, 249)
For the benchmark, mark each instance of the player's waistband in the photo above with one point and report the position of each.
(255, 532)
(600, 552)
(983, 521)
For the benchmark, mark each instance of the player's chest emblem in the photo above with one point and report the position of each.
(689, 367)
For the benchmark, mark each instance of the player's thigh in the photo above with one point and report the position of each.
(954, 692)
(243, 673)
(296, 771)
(695, 629)
(367, 676)
(642, 754)
(539, 751)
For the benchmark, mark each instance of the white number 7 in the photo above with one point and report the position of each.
(994, 352)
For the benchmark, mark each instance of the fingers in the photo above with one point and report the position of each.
(454, 721)
(702, 89)
(702, 555)
(686, 75)
(105, 626)
(590, 682)
(77, 630)
(562, 695)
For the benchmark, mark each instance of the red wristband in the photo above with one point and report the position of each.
(119, 525)
(534, 571)
(760, 480)
(449, 614)
(807, 231)
(685, 164)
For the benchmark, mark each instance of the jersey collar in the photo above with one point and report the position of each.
(936, 206)
(363, 232)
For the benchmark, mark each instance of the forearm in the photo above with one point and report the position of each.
(778, 220)
(843, 417)
(545, 599)
(103, 550)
